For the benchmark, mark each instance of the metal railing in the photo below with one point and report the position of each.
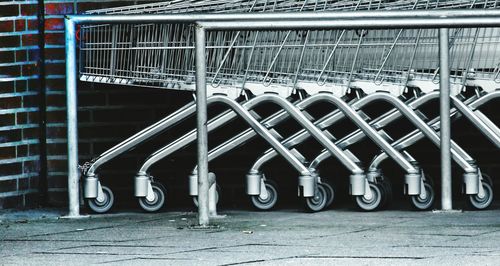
(439, 19)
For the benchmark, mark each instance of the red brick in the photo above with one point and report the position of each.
(55, 84)
(57, 148)
(58, 8)
(10, 70)
(91, 100)
(57, 198)
(7, 57)
(84, 116)
(56, 116)
(6, 26)
(30, 39)
(10, 41)
(88, 6)
(55, 53)
(22, 150)
(56, 100)
(29, 10)
(55, 69)
(56, 132)
(11, 102)
(7, 152)
(4, 88)
(54, 38)
(11, 202)
(30, 70)
(56, 165)
(54, 24)
(30, 133)
(21, 85)
(10, 169)
(32, 24)
(22, 118)
(8, 119)
(20, 25)
(21, 56)
(58, 182)
(8, 185)
(9, 10)
(30, 101)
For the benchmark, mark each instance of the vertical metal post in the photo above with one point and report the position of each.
(202, 135)
(444, 105)
(71, 109)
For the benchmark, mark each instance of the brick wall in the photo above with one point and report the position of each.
(22, 169)
(19, 90)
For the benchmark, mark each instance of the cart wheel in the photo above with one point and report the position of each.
(330, 193)
(269, 202)
(217, 192)
(319, 201)
(424, 204)
(159, 200)
(104, 205)
(485, 201)
(373, 203)
(487, 179)
(386, 187)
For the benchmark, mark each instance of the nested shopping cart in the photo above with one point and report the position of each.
(129, 52)
(259, 63)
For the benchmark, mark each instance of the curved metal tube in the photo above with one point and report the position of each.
(409, 140)
(141, 136)
(415, 136)
(422, 126)
(389, 117)
(323, 123)
(296, 114)
(249, 133)
(484, 99)
(488, 129)
(215, 123)
(331, 119)
(367, 129)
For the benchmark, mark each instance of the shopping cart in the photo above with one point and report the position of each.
(259, 62)
(138, 55)
(425, 198)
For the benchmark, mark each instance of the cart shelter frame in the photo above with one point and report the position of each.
(439, 19)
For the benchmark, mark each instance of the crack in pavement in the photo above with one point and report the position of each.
(92, 229)
(325, 257)
(143, 258)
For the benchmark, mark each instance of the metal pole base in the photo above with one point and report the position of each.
(75, 216)
(218, 216)
(447, 211)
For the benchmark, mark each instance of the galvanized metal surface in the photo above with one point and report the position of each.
(285, 21)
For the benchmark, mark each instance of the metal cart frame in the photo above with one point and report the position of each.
(442, 19)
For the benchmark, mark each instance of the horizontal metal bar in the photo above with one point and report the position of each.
(362, 23)
(319, 20)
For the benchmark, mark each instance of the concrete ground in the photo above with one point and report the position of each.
(285, 237)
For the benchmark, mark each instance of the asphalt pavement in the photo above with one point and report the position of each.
(284, 237)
